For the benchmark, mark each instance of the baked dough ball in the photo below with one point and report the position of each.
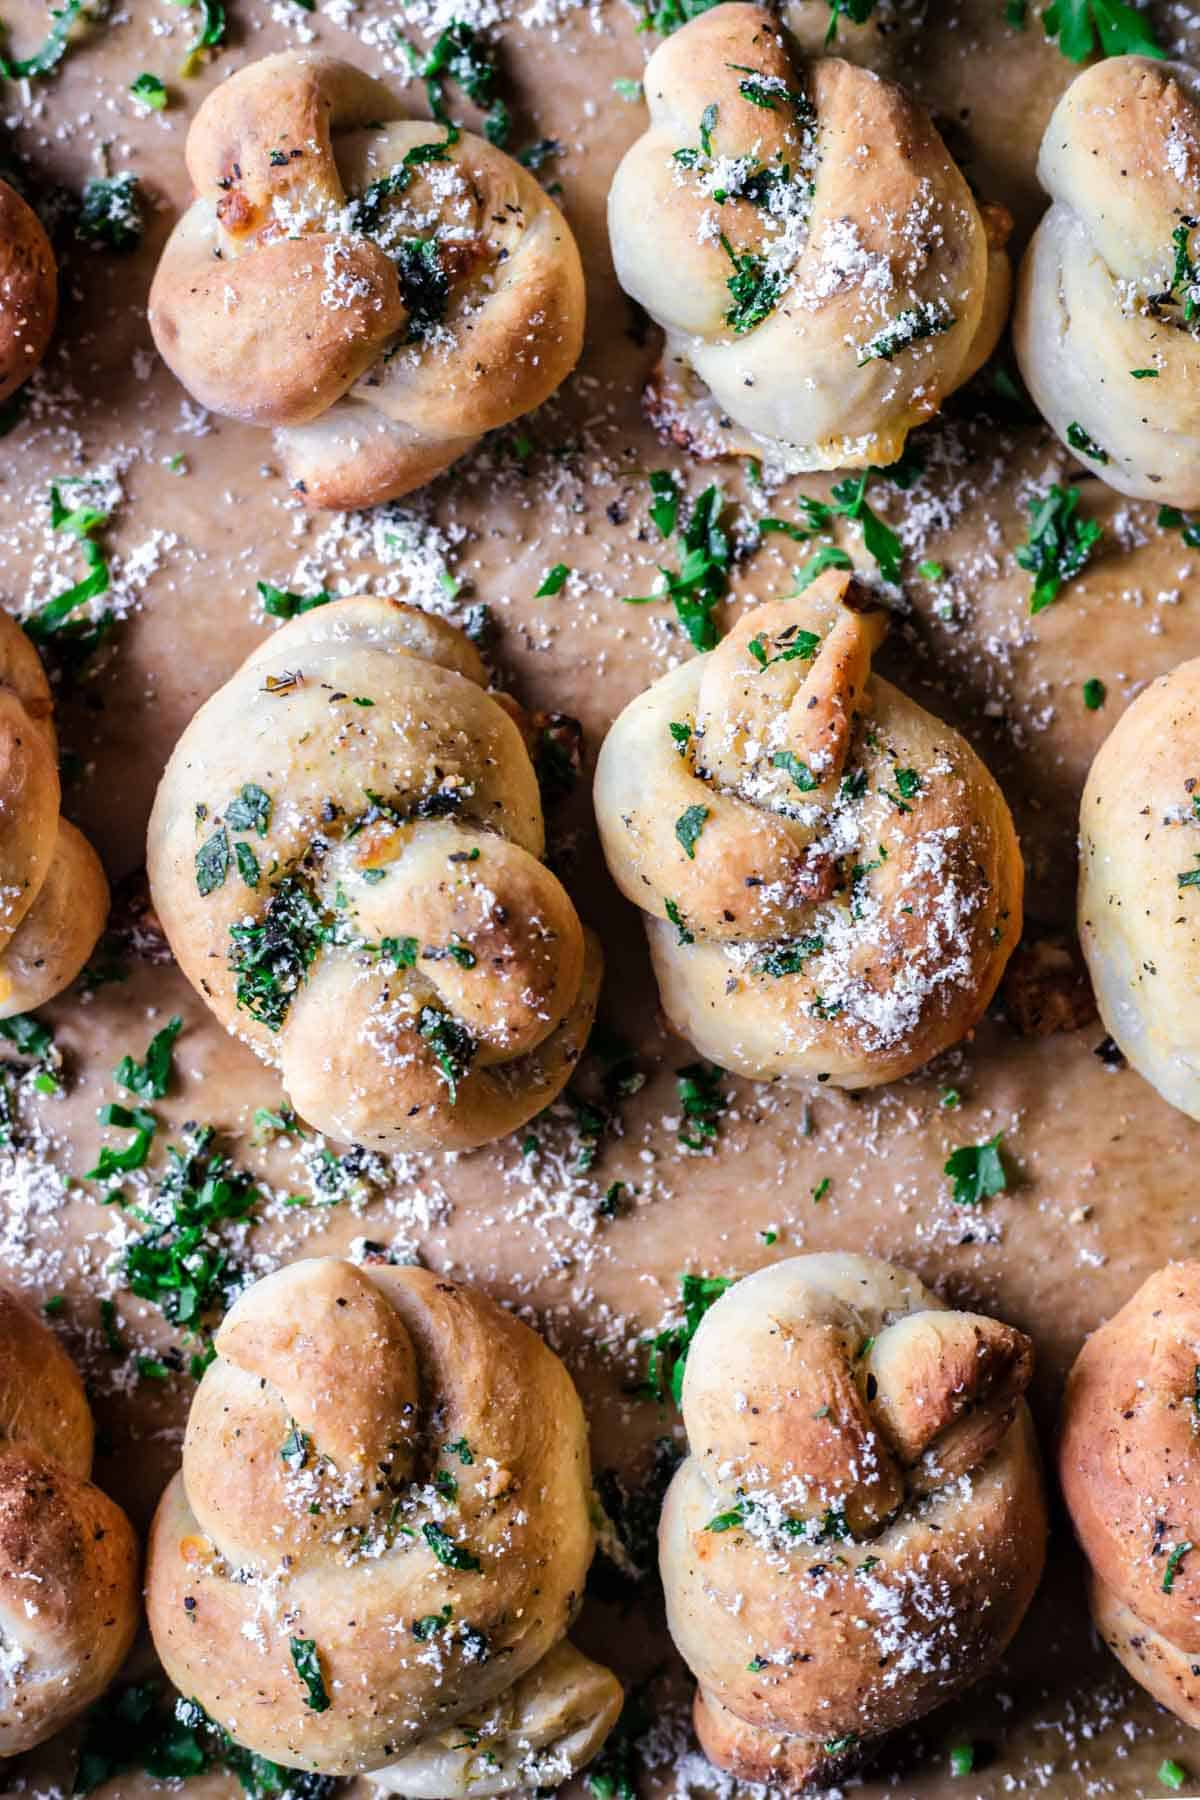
(1129, 1461)
(859, 1526)
(377, 289)
(53, 894)
(379, 1538)
(344, 853)
(28, 291)
(1139, 892)
(809, 247)
(831, 877)
(1108, 304)
(69, 1603)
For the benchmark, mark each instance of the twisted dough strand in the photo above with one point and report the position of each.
(853, 890)
(394, 942)
(388, 1468)
(859, 1525)
(282, 299)
(68, 1557)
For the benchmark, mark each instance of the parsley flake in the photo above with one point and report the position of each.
(977, 1172)
(307, 1663)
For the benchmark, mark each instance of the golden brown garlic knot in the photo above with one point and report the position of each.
(859, 1525)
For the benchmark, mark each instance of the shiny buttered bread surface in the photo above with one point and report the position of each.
(1139, 893)
(379, 1538)
(28, 291)
(859, 1524)
(379, 290)
(53, 892)
(801, 233)
(830, 877)
(69, 1603)
(1104, 326)
(1129, 1462)
(345, 854)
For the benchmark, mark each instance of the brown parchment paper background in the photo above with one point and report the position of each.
(1104, 1186)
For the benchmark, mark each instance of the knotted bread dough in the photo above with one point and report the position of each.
(1108, 303)
(808, 245)
(831, 878)
(344, 853)
(379, 290)
(379, 1538)
(1129, 1462)
(1139, 893)
(28, 291)
(53, 893)
(859, 1525)
(69, 1602)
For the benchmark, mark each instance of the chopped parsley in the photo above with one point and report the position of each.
(962, 1759)
(1171, 519)
(110, 213)
(452, 1045)
(676, 918)
(829, 556)
(801, 775)
(664, 508)
(909, 327)
(247, 864)
(150, 1079)
(908, 786)
(1082, 26)
(367, 210)
(210, 36)
(272, 958)
(179, 1261)
(1171, 1774)
(857, 11)
(553, 581)
(791, 645)
(307, 1663)
(1094, 693)
(977, 1171)
(668, 1350)
(454, 1556)
(1058, 546)
(427, 1627)
(703, 577)
(250, 811)
(703, 1102)
(424, 285)
(139, 1728)
(1178, 1552)
(278, 603)
(75, 639)
(459, 54)
(754, 288)
(839, 1746)
(666, 16)
(212, 862)
(688, 827)
(789, 958)
(1079, 440)
(51, 50)
(149, 90)
(112, 1163)
(1145, 374)
(680, 736)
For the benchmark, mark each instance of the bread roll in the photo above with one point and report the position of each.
(69, 1602)
(377, 290)
(831, 878)
(53, 893)
(28, 291)
(859, 1525)
(797, 227)
(1129, 1462)
(345, 855)
(1139, 900)
(379, 1538)
(1108, 293)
